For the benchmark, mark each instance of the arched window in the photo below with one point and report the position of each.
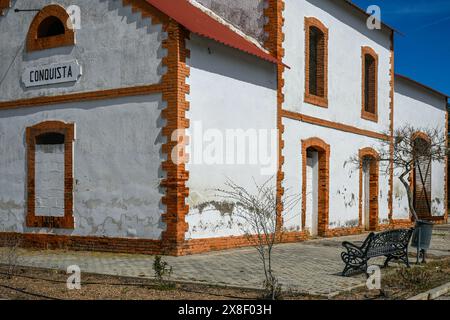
(421, 176)
(316, 76)
(316, 63)
(369, 84)
(50, 175)
(50, 138)
(50, 28)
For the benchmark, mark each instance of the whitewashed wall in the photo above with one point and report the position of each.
(229, 90)
(422, 109)
(347, 34)
(343, 175)
(117, 166)
(115, 47)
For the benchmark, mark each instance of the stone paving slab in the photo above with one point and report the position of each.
(311, 267)
(440, 244)
(305, 268)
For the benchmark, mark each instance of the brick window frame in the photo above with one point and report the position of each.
(374, 189)
(4, 4)
(324, 182)
(33, 220)
(35, 43)
(317, 100)
(367, 115)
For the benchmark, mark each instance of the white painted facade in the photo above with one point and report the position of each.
(229, 91)
(343, 175)
(113, 47)
(117, 151)
(348, 33)
(424, 110)
(115, 194)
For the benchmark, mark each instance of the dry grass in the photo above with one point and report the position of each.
(403, 283)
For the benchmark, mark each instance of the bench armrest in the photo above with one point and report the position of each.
(352, 249)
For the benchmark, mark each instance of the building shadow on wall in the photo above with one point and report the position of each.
(229, 62)
(352, 17)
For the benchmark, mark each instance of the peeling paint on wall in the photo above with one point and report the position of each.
(215, 72)
(10, 211)
(222, 206)
(246, 15)
(117, 166)
(348, 198)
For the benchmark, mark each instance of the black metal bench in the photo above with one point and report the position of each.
(392, 244)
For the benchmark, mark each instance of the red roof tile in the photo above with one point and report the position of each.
(199, 22)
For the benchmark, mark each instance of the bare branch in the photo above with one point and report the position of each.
(408, 147)
(257, 212)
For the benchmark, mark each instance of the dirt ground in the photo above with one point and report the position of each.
(403, 283)
(36, 284)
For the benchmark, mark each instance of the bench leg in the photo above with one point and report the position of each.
(406, 258)
(388, 259)
(346, 269)
(403, 258)
(350, 269)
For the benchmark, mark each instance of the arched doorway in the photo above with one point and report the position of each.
(421, 176)
(315, 186)
(368, 189)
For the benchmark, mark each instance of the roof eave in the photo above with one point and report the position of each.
(349, 2)
(422, 85)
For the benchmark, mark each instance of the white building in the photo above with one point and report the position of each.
(99, 99)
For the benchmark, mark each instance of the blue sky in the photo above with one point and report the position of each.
(423, 53)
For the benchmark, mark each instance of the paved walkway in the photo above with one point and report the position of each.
(440, 245)
(310, 267)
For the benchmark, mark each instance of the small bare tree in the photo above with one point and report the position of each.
(412, 146)
(257, 213)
